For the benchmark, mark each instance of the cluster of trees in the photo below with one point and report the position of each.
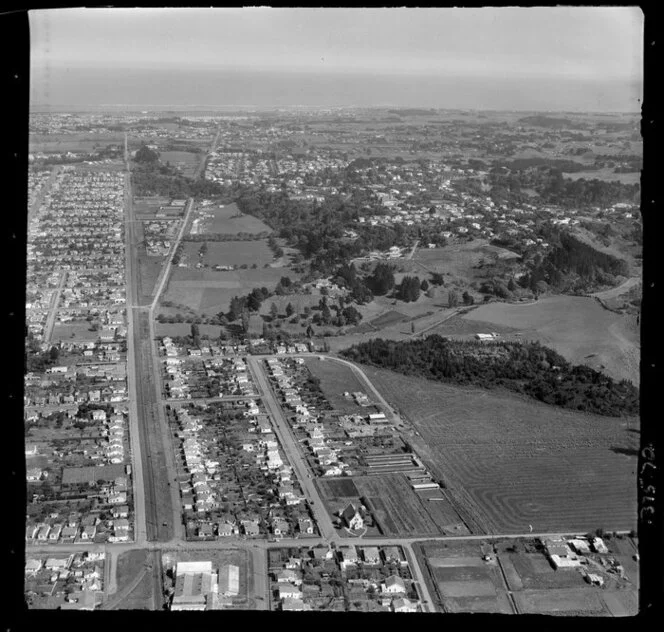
(507, 185)
(150, 177)
(250, 303)
(409, 289)
(381, 280)
(528, 368)
(348, 277)
(572, 265)
(242, 236)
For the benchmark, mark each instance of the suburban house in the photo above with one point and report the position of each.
(394, 584)
(404, 605)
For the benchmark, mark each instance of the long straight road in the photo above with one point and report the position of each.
(53, 308)
(292, 450)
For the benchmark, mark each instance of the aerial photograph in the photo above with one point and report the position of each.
(334, 310)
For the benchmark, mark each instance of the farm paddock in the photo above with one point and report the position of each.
(512, 462)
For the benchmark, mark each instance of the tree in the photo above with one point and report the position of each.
(437, 278)
(310, 331)
(424, 286)
(467, 298)
(146, 155)
(274, 310)
(289, 309)
(511, 286)
(253, 303)
(452, 298)
(245, 322)
(54, 354)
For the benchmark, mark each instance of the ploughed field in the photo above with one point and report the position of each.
(512, 463)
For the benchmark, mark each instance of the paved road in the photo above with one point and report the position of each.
(53, 308)
(422, 587)
(292, 449)
(45, 188)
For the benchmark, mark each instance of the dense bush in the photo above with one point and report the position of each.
(527, 368)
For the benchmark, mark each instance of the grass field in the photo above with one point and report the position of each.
(578, 328)
(337, 378)
(457, 260)
(511, 462)
(564, 601)
(227, 253)
(209, 291)
(228, 220)
(184, 160)
(129, 565)
(74, 330)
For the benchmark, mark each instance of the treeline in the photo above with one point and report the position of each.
(552, 188)
(527, 368)
(572, 264)
(150, 177)
(241, 236)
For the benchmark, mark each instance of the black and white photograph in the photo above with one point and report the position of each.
(335, 310)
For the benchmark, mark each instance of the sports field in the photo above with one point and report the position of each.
(511, 462)
(577, 327)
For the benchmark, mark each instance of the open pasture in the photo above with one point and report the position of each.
(336, 379)
(514, 462)
(607, 174)
(210, 291)
(229, 220)
(577, 327)
(184, 160)
(228, 253)
(456, 260)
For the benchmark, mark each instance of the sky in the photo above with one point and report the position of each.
(558, 58)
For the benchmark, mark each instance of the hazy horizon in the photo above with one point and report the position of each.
(569, 59)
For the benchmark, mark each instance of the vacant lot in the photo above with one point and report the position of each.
(338, 487)
(564, 601)
(76, 330)
(511, 462)
(335, 379)
(579, 328)
(133, 582)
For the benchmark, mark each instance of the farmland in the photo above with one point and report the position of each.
(510, 462)
(578, 328)
(396, 508)
(209, 291)
(399, 511)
